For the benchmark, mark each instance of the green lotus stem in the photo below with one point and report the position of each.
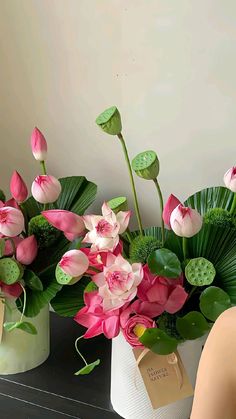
(128, 235)
(24, 303)
(192, 292)
(185, 247)
(233, 205)
(43, 167)
(120, 136)
(162, 207)
(77, 350)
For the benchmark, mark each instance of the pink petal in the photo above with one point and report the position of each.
(111, 327)
(176, 300)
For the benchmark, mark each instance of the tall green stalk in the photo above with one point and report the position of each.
(233, 205)
(120, 136)
(161, 207)
(185, 248)
(43, 167)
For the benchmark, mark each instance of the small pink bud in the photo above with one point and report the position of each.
(18, 187)
(38, 145)
(230, 179)
(74, 263)
(171, 203)
(14, 290)
(11, 221)
(68, 222)
(27, 250)
(46, 189)
(185, 221)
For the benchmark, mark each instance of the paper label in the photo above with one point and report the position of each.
(2, 311)
(164, 377)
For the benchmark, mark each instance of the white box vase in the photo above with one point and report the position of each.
(128, 394)
(21, 351)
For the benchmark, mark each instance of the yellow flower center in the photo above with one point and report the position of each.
(139, 330)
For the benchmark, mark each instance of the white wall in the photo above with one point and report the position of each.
(169, 65)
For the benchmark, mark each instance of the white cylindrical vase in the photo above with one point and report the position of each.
(128, 394)
(21, 351)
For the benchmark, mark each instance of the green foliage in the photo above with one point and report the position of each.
(220, 217)
(32, 280)
(200, 272)
(192, 326)
(45, 233)
(163, 262)
(2, 196)
(158, 341)
(88, 368)
(11, 271)
(167, 323)
(213, 301)
(24, 326)
(69, 300)
(141, 247)
(91, 287)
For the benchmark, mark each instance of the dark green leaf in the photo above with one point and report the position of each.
(213, 301)
(163, 262)
(88, 368)
(192, 326)
(77, 194)
(70, 299)
(158, 341)
(25, 326)
(32, 280)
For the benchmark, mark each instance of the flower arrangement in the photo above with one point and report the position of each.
(159, 286)
(30, 247)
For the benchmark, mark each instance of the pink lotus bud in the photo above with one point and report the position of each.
(38, 145)
(46, 189)
(230, 179)
(11, 221)
(185, 222)
(27, 250)
(74, 263)
(171, 203)
(14, 290)
(18, 187)
(9, 250)
(68, 222)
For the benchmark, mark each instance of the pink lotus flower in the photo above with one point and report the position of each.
(74, 263)
(104, 230)
(118, 282)
(46, 189)
(134, 328)
(18, 187)
(97, 259)
(96, 319)
(68, 222)
(171, 203)
(157, 294)
(11, 221)
(185, 221)
(14, 290)
(10, 203)
(27, 250)
(38, 145)
(230, 179)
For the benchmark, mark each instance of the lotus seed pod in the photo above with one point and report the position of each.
(61, 277)
(110, 121)
(118, 204)
(200, 272)
(141, 247)
(146, 165)
(11, 271)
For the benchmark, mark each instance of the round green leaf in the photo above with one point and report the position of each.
(192, 326)
(158, 341)
(88, 368)
(91, 287)
(163, 262)
(213, 301)
(25, 326)
(200, 272)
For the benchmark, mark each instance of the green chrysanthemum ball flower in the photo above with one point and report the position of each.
(44, 232)
(141, 247)
(220, 218)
